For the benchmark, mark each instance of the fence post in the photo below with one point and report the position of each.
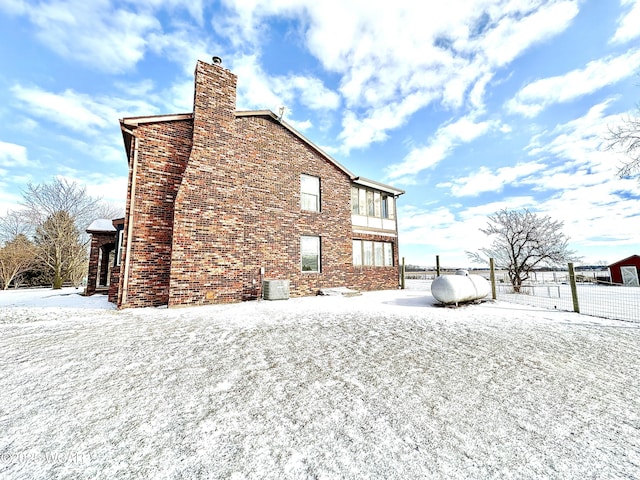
(492, 276)
(437, 265)
(574, 289)
(402, 275)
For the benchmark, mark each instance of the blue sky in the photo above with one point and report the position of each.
(470, 106)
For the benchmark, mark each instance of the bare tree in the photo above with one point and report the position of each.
(625, 138)
(47, 199)
(60, 248)
(522, 242)
(16, 257)
(58, 213)
(12, 224)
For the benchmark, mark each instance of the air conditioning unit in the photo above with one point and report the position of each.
(275, 289)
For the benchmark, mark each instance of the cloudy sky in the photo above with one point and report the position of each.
(471, 106)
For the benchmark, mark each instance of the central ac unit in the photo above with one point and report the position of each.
(275, 289)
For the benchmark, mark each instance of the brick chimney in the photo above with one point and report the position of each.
(214, 101)
(205, 267)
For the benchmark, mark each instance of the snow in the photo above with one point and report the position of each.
(101, 225)
(382, 385)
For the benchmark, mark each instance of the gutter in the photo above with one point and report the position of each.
(134, 170)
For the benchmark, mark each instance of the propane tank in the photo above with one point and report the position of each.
(459, 288)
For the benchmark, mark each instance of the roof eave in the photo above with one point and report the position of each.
(365, 182)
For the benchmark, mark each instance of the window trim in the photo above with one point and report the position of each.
(120, 241)
(315, 194)
(388, 259)
(318, 252)
(372, 203)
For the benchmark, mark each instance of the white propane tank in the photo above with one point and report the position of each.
(459, 288)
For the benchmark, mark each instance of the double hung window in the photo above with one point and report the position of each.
(309, 193)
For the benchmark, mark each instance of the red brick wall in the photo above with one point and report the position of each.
(272, 160)
(206, 266)
(163, 150)
(238, 207)
(114, 283)
(211, 212)
(98, 240)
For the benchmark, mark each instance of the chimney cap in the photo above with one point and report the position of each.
(216, 60)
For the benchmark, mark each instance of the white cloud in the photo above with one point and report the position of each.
(109, 188)
(395, 58)
(595, 205)
(522, 25)
(442, 230)
(12, 155)
(487, 180)
(628, 23)
(109, 36)
(579, 141)
(259, 90)
(78, 111)
(440, 146)
(538, 95)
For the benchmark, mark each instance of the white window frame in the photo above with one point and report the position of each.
(372, 203)
(309, 193)
(367, 253)
(119, 249)
(357, 253)
(310, 245)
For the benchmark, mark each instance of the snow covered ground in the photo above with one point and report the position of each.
(384, 385)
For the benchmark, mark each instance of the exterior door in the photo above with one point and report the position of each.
(629, 276)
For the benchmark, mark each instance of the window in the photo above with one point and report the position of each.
(309, 193)
(371, 210)
(388, 254)
(354, 200)
(367, 250)
(385, 206)
(362, 199)
(357, 252)
(119, 247)
(371, 203)
(377, 254)
(310, 254)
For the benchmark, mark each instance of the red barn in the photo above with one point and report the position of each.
(626, 272)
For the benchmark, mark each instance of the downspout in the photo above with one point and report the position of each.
(395, 214)
(134, 170)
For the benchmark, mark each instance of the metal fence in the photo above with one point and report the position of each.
(552, 289)
(597, 299)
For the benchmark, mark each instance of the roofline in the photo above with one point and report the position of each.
(623, 260)
(135, 121)
(365, 182)
(272, 116)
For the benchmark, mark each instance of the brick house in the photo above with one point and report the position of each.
(219, 200)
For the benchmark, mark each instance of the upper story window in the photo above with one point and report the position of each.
(372, 203)
(309, 193)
